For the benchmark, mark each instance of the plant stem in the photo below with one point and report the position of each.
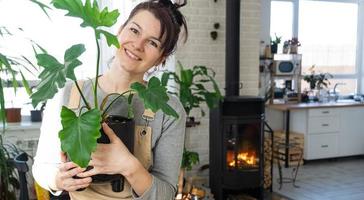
(82, 96)
(108, 107)
(97, 71)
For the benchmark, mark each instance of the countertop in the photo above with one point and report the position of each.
(296, 106)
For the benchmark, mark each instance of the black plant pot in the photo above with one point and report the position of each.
(36, 115)
(124, 129)
(274, 48)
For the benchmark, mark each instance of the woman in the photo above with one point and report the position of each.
(147, 38)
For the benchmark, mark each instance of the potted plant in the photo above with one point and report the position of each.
(55, 74)
(294, 44)
(274, 43)
(192, 91)
(36, 114)
(317, 81)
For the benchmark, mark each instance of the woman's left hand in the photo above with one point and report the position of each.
(112, 158)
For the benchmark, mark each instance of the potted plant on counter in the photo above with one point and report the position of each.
(90, 116)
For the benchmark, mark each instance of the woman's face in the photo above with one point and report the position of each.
(140, 47)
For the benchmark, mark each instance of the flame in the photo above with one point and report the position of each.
(243, 158)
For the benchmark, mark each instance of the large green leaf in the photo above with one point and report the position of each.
(79, 134)
(55, 73)
(155, 96)
(91, 15)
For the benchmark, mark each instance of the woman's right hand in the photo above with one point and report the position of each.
(65, 177)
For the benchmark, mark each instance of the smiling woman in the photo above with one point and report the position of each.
(68, 142)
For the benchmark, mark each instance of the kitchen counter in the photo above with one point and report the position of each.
(331, 129)
(340, 103)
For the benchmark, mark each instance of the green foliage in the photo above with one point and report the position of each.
(192, 87)
(79, 134)
(317, 80)
(189, 159)
(54, 73)
(154, 96)
(91, 16)
(276, 40)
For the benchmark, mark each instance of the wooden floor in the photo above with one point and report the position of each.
(339, 179)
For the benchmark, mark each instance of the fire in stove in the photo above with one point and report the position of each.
(243, 160)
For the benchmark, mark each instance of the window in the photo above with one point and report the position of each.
(281, 19)
(328, 31)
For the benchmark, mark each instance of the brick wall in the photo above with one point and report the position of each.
(200, 49)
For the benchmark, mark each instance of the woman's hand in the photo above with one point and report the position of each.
(64, 177)
(112, 158)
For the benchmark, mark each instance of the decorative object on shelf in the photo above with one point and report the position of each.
(274, 43)
(214, 34)
(294, 44)
(286, 47)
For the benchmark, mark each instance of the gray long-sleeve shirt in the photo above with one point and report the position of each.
(167, 144)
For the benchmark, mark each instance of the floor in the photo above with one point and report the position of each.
(336, 179)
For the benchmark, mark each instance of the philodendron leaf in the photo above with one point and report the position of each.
(55, 73)
(155, 96)
(91, 16)
(110, 38)
(79, 134)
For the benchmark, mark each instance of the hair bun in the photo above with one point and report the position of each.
(180, 3)
(174, 5)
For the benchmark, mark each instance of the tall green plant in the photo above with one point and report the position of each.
(81, 130)
(192, 87)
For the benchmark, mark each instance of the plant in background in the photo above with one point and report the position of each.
(192, 87)
(10, 65)
(294, 41)
(189, 159)
(274, 43)
(317, 81)
(86, 124)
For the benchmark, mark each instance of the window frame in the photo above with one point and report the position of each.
(359, 63)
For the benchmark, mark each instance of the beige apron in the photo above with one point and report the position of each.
(142, 151)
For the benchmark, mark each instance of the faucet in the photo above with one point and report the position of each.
(336, 96)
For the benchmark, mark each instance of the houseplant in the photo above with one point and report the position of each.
(318, 83)
(192, 86)
(55, 74)
(274, 43)
(294, 44)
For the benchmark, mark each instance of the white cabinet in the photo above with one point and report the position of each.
(352, 131)
(330, 132)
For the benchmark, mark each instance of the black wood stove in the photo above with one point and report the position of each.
(236, 147)
(236, 127)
